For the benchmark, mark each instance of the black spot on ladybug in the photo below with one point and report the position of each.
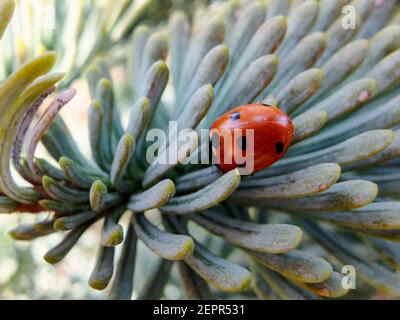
(210, 152)
(235, 116)
(242, 143)
(279, 147)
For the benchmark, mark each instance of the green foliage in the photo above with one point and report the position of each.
(340, 87)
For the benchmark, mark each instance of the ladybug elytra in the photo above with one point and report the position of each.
(253, 136)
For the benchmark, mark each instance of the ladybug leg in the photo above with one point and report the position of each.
(269, 101)
(210, 154)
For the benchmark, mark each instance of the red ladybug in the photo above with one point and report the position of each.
(230, 139)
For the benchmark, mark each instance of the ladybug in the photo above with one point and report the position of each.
(270, 137)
